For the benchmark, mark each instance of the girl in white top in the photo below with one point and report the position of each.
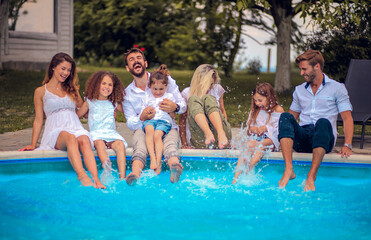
(262, 125)
(160, 125)
(185, 134)
(104, 94)
(58, 99)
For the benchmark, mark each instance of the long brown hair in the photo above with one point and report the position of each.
(266, 90)
(71, 84)
(93, 86)
(160, 74)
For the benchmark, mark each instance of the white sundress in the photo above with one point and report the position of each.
(102, 121)
(60, 116)
(272, 125)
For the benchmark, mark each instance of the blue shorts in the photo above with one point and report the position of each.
(158, 125)
(306, 137)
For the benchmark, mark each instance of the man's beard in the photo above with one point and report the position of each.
(311, 76)
(141, 73)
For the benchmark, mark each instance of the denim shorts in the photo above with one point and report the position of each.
(158, 125)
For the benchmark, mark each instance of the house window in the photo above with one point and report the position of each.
(32, 16)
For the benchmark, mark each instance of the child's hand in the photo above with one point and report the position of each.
(148, 113)
(253, 130)
(261, 130)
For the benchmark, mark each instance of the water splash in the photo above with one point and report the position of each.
(249, 177)
(107, 177)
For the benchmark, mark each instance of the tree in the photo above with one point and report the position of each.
(325, 12)
(14, 8)
(217, 29)
(181, 33)
(340, 45)
(105, 29)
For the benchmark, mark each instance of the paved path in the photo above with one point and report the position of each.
(12, 141)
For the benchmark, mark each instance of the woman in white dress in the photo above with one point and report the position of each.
(58, 98)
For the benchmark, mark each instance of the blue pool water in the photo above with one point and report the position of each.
(46, 201)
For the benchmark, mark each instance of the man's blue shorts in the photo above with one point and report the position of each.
(158, 125)
(306, 137)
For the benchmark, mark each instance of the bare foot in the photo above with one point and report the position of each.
(176, 171)
(85, 180)
(153, 165)
(158, 169)
(98, 184)
(309, 185)
(131, 179)
(222, 141)
(287, 175)
(234, 181)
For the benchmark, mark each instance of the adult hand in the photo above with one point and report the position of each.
(148, 113)
(168, 105)
(27, 148)
(345, 152)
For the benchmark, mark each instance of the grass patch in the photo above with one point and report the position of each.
(17, 89)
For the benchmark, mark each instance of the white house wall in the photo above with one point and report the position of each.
(28, 50)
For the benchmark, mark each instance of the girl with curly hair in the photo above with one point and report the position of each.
(104, 94)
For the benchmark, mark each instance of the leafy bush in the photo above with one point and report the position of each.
(339, 46)
(254, 66)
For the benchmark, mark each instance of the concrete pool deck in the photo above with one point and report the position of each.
(10, 142)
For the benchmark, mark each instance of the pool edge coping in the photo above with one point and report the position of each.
(9, 156)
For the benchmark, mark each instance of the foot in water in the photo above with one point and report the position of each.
(85, 181)
(309, 185)
(106, 175)
(98, 184)
(176, 171)
(287, 175)
(131, 179)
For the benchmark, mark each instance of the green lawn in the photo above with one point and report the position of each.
(17, 88)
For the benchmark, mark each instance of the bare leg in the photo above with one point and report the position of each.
(216, 121)
(201, 121)
(137, 168)
(286, 146)
(89, 159)
(176, 169)
(149, 129)
(318, 154)
(119, 147)
(255, 150)
(100, 146)
(67, 141)
(238, 171)
(258, 152)
(159, 149)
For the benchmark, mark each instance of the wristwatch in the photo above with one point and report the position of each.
(177, 108)
(348, 146)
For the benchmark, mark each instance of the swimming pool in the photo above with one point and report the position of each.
(43, 200)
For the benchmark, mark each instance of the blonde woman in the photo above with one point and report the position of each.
(208, 126)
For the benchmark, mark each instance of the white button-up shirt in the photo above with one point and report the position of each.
(134, 98)
(330, 99)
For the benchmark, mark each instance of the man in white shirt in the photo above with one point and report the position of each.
(136, 64)
(317, 103)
